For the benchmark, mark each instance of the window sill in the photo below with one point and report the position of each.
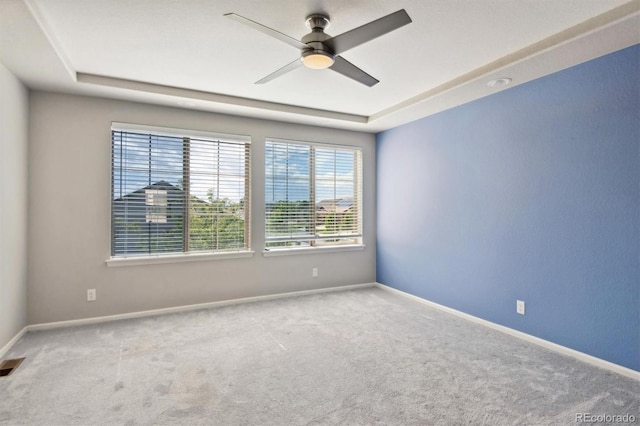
(175, 258)
(311, 250)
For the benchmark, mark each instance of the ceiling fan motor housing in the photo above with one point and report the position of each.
(317, 55)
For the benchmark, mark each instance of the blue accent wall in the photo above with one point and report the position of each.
(532, 193)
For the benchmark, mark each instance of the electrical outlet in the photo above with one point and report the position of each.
(314, 272)
(91, 295)
(520, 307)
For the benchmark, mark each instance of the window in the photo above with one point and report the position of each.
(178, 192)
(313, 195)
(156, 205)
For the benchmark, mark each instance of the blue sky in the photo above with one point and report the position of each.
(215, 166)
(219, 167)
(288, 167)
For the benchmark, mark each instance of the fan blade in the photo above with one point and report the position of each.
(268, 31)
(289, 67)
(346, 68)
(366, 32)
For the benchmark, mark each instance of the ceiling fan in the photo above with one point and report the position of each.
(318, 50)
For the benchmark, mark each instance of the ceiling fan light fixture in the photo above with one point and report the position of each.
(317, 59)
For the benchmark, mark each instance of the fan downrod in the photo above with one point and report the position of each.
(317, 22)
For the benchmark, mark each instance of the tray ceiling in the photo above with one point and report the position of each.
(187, 54)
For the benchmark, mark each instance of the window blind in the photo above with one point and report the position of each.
(176, 194)
(313, 194)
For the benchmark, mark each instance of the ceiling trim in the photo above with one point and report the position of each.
(385, 117)
(584, 28)
(215, 97)
(51, 38)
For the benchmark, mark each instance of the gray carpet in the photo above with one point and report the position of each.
(355, 357)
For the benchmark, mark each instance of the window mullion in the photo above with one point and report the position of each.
(312, 193)
(149, 183)
(217, 201)
(247, 196)
(186, 187)
(357, 217)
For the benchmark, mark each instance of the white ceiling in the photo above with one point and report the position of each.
(186, 53)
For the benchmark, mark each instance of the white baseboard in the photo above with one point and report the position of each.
(185, 308)
(12, 342)
(589, 359)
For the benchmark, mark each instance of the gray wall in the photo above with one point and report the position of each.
(69, 216)
(14, 111)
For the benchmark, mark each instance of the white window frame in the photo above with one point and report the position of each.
(358, 198)
(189, 256)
